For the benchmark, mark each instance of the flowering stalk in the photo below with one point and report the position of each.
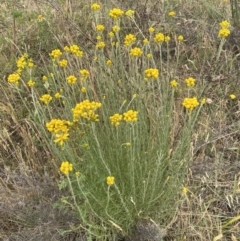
(223, 40)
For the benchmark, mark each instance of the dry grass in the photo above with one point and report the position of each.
(28, 173)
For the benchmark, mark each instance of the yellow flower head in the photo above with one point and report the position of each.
(83, 89)
(108, 62)
(136, 52)
(190, 103)
(129, 40)
(31, 83)
(190, 82)
(145, 41)
(130, 116)
(56, 53)
(40, 18)
(203, 101)
(22, 61)
(84, 74)
(116, 13)
(151, 74)
(30, 63)
(71, 79)
(115, 119)
(225, 24)
(159, 38)
(63, 63)
(184, 190)
(115, 29)
(174, 83)
(232, 96)
(149, 56)
(58, 126)
(95, 6)
(110, 180)
(100, 27)
(57, 95)
(86, 110)
(46, 99)
(14, 78)
(98, 38)
(111, 34)
(100, 45)
(223, 33)
(129, 13)
(180, 38)
(171, 14)
(61, 138)
(74, 49)
(167, 39)
(66, 167)
(151, 29)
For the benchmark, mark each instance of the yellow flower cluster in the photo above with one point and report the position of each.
(180, 38)
(174, 83)
(23, 62)
(225, 24)
(167, 39)
(149, 56)
(171, 14)
(232, 96)
(110, 180)
(111, 34)
(100, 45)
(66, 167)
(86, 109)
(159, 38)
(151, 74)
(116, 13)
(108, 62)
(14, 78)
(129, 13)
(129, 40)
(130, 116)
(46, 99)
(98, 38)
(60, 128)
(57, 126)
(100, 27)
(95, 6)
(190, 103)
(145, 41)
(190, 82)
(136, 52)
(31, 83)
(223, 33)
(58, 95)
(115, 119)
(151, 29)
(115, 29)
(56, 53)
(63, 63)
(84, 74)
(71, 79)
(74, 49)
(224, 30)
(83, 89)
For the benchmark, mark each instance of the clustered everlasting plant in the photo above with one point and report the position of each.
(111, 123)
